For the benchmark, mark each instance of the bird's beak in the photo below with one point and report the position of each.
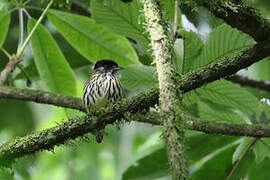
(119, 68)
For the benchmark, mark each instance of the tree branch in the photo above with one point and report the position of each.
(209, 127)
(95, 120)
(225, 67)
(196, 79)
(238, 15)
(8, 69)
(47, 139)
(246, 81)
(77, 127)
(41, 97)
(169, 96)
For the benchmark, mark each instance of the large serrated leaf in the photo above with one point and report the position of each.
(4, 25)
(223, 41)
(215, 113)
(199, 146)
(260, 171)
(136, 78)
(216, 167)
(241, 148)
(193, 46)
(51, 64)
(225, 93)
(122, 18)
(179, 55)
(261, 149)
(93, 41)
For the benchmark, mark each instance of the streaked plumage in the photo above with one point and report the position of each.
(102, 87)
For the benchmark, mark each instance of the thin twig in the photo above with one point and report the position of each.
(26, 12)
(5, 52)
(26, 2)
(21, 49)
(8, 69)
(242, 157)
(28, 79)
(175, 25)
(21, 28)
(17, 58)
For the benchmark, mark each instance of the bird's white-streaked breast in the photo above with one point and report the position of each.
(101, 89)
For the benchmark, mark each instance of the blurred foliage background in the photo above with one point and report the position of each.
(136, 150)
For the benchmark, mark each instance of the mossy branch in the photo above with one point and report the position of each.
(169, 95)
(95, 120)
(209, 127)
(238, 15)
(32, 143)
(41, 97)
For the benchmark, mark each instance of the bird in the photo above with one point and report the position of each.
(102, 87)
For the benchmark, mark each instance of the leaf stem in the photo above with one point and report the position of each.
(175, 25)
(25, 74)
(21, 49)
(26, 2)
(6, 53)
(21, 30)
(244, 155)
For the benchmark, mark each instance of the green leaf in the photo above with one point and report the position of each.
(10, 121)
(260, 171)
(93, 41)
(51, 64)
(150, 167)
(179, 55)
(208, 144)
(217, 113)
(136, 78)
(217, 166)
(260, 70)
(223, 41)
(261, 149)
(227, 94)
(4, 25)
(168, 10)
(7, 174)
(241, 148)
(122, 18)
(193, 46)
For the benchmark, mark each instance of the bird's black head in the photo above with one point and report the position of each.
(106, 66)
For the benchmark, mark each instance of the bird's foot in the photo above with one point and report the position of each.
(99, 135)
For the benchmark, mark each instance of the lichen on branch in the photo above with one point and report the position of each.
(169, 95)
(237, 14)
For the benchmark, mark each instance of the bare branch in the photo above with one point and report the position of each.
(41, 97)
(249, 82)
(8, 69)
